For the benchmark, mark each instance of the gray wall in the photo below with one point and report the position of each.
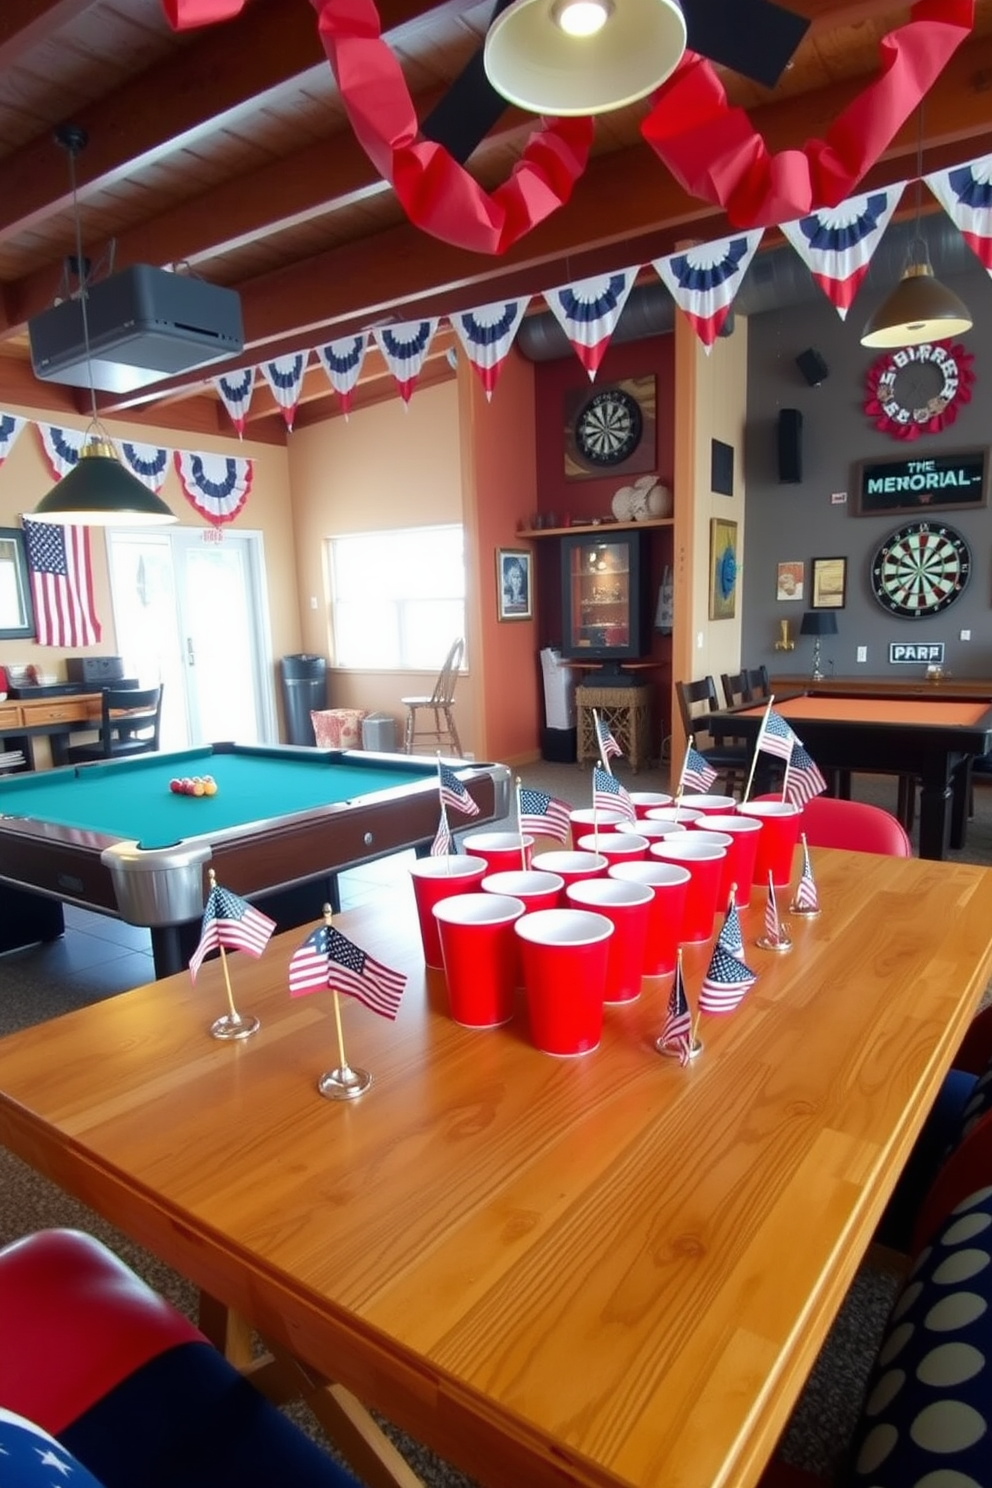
(798, 522)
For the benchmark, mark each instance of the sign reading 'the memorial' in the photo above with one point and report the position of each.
(921, 483)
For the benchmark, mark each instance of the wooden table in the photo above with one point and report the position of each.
(22, 720)
(972, 689)
(552, 1271)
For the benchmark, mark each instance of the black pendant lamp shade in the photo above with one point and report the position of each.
(919, 309)
(100, 492)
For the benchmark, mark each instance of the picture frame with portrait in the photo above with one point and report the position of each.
(514, 584)
(790, 579)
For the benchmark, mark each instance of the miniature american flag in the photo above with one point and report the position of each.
(697, 773)
(546, 815)
(607, 744)
(329, 959)
(678, 1023)
(233, 923)
(725, 982)
(803, 779)
(773, 932)
(453, 793)
(441, 846)
(730, 937)
(776, 736)
(609, 795)
(806, 893)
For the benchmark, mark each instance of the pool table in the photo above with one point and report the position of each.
(935, 740)
(113, 837)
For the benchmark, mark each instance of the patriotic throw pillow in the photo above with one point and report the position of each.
(33, 1459)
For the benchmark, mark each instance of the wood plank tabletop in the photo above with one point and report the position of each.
(607, 1270)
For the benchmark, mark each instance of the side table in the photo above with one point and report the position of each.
(627, 713)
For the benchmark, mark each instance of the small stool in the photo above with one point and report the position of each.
(627, 713)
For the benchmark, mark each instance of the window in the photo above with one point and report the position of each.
(397, 598)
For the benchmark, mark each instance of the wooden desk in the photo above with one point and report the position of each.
(51, 717)
(552, 1271)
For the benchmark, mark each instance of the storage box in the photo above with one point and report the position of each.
(338, 728)
(94, 670)
(558, 746)
(379, 733)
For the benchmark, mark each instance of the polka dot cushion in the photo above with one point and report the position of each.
(925, 1421)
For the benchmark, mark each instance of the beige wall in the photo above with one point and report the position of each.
(386, 467)
(25, 477)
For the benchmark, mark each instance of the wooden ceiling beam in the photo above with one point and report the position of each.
(25, 24)
(221, 78)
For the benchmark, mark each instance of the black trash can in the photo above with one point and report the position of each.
(304, 686)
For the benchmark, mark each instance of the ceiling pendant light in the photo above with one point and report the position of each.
(98, 491)
(577, 57)
(920, 308)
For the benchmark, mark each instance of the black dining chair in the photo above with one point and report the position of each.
(130, 723)
(729, 758)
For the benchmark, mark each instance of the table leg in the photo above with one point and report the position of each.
(935, 819)
(961, 787)
(26, 918)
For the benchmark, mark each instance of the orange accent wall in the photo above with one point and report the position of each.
(500, 492)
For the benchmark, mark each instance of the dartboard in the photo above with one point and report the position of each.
(920, 570)
(608, 427)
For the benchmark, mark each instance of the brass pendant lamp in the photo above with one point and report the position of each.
(577, 57)
(98, 491)
(920, 308)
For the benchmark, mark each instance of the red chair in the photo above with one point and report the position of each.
(854, 825)
(130, 1388)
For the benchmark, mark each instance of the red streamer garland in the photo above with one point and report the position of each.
(711, 149)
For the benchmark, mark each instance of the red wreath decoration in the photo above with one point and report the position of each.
(894, 418)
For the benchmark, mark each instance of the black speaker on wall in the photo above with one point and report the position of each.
(812, 366)
(790, 446)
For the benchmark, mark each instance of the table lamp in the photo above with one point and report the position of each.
(818, 623)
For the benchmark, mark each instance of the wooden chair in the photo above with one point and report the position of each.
(854, 825)
(440, 727)
(736, 688)
(759, 686)
(130, 722)
(730, 759)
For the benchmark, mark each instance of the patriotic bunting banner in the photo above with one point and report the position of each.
(235, 393)
(404, 349)
(285, 377)
(965, 193)
(704, 281)
(147, 462)
(61, 447)
(10, 426)
(342, 361)
(837, 243)
(486, 335)
(588, 312)
(216, 485)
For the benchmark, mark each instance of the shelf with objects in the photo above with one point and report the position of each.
(606, 525)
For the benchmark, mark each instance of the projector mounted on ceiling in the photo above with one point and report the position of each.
(144, 324)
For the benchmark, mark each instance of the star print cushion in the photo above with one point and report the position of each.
(925, 1421)
(33, 1459)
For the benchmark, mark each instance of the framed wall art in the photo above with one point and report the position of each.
(514, 584)
(723, 569)
(790, 580)
(828, 584)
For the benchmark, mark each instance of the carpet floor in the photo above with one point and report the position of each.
(99, 957)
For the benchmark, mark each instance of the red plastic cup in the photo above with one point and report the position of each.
(565, 954)
(704, 861)
(709, 804)
(503, 851)
(668, 884)
(440, 878)
(480, 956)
(616, 847)
(537, 890)
(680, 815)
(584, 819)
(627, 906)
(645, 801)
(570, 867)
(780, 822)
(654, 831)
(738, 869)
